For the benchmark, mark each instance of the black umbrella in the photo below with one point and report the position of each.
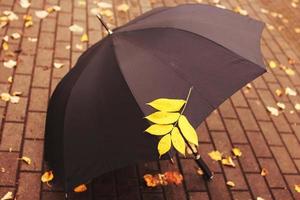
(95, 116)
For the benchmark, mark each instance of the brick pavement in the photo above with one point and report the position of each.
(242, 121)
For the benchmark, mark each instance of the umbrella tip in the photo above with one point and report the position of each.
(104, 24)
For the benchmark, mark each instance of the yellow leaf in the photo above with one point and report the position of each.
(237, 152)
(272, 110)
(164, 144)
(8, 196)
(297, 106)
(84, 38)
(123, 7)
(215, 155)
(280, 105)
(278, 92)
(168, 105)
(264, 172)
(47, 176)
(228, 161)
(187, 130)
(80, 188)
(27, 160)
(163, 117)
(290, 92)
(5, 46)
(5, 97)
(158, 129)
(230, 183)
(297, 188)
(272, 64)
(178, 141)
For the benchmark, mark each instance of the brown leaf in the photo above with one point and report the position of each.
(264, 172)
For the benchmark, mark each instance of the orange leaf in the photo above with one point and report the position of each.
(80, 188)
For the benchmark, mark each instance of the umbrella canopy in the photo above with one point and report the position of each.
(95, 116)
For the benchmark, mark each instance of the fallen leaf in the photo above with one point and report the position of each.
(80, 188)
(297, 188)
(291, 61)
(53, 9)
(76, 28)
(107, 13)
(220, 6)
(10, 64)
(173, 177)
(280, 105)
(290, 91)
(30, 39)
(260, 198)
(58, 65)
(123, 7)
(215, 155)
(297, 30)
(265, 11)
(41, 14)
(167, 105)
(249, 86)
(5, 97)
(237, 152)
(2, 169)
(230, 183)
(278, 92)
(28, 20)
(47, 177)
(15, 36)
(11, 16)
(10, 79)
(5, 38)
(24, 3)
(14, 99)
(240, 11)
(290, 72)
(79, 46)
(264, 172)
(228, 161)
(272, 110)
(104, 5)
(17, 93)
(5, 46)
(297, 106)
(199, 171)
(272, 64)
(26, 159)
(8, 196)
(84, 38)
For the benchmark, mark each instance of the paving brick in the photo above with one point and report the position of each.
(52, 195)
(281, 123)
(258, 186)
(8, 161)
(29, 183)
(258, 143)
(44, 57)
(226, 109)
(292, 181)
(49, 25)
(153, 196)
(47, 40)
(238, 100)
(292, 145)
(11, 136)
(17, 112)
(63, 34)
(4, 88)
(193, 181)
(198, 196)
(204, 149)
(64, 19)
(270, 133)
(25, 64)
(21, 83)
(35, 125)
(282, 194)
(218, 189)
(247, 119)
(38, 99)
(241, 195)
(214, 121)
(248, 161)
(284, 160)
(259, 110)
(60, 73)
(41, 77)
(203, 133)
(34, 150)
(274, 177)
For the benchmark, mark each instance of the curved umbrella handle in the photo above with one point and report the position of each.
(207, 174)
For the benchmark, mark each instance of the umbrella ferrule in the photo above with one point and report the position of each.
(104, 24)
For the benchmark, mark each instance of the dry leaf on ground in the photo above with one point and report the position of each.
(123, 7)
(26, 159)
(264, 172)
(215, 155)
(228, 161)
(237, 152)
(10, 64)
(80, 188)
(47, 177)
(8, 196)
(230, 183)
(290, 92)
(41, 14)
(76, 28)
(273, 111)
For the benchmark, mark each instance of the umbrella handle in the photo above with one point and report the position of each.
(207, 174)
